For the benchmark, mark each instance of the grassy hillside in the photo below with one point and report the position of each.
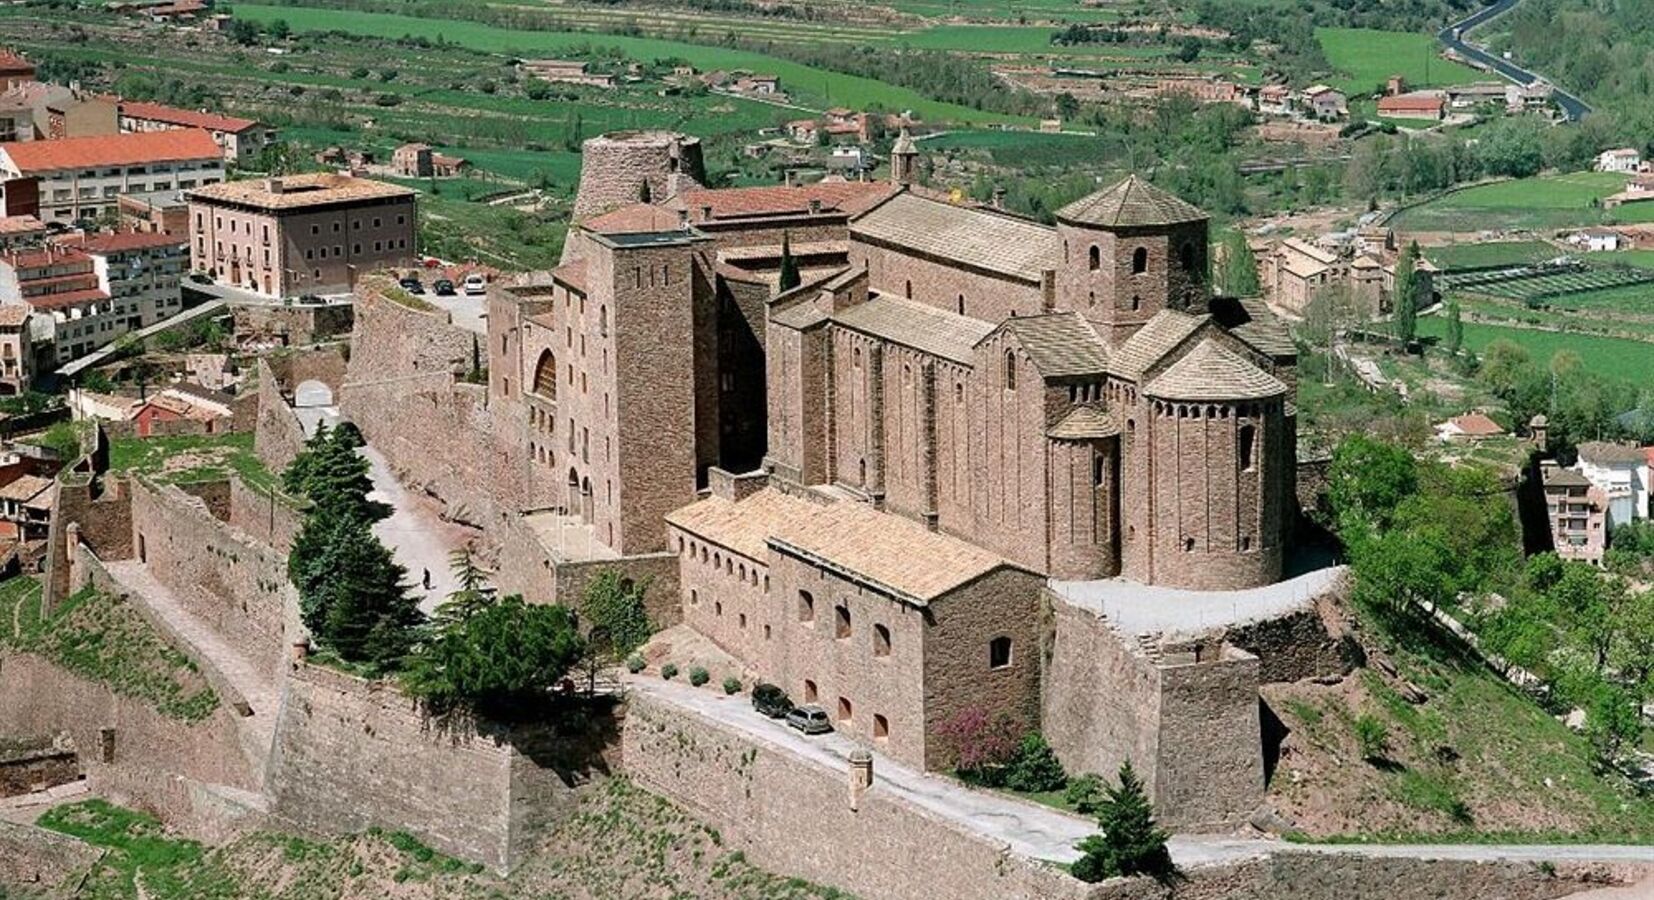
(1613, 356)
(1544, 201)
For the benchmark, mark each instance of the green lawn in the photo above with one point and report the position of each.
(1366, 58)
(1613, 356)
(1540, 202)
(191, 458)
(807, 84)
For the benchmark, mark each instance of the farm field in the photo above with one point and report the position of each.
(1565, 286)
(808, 85)
(1365, 58)
(1617, 357)
(1540, 202)
(1492, 253)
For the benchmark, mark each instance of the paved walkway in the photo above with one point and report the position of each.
(416, 534)
(1136, 608)
(256, 684)
(1043, 833)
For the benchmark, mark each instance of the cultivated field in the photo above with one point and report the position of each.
(1541, 202)
(1617, 357)
(1492, 253)
(1366, 58)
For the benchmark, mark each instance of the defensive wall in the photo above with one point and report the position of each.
(38, 860)
(351, 753)
(527, 566)
(294, 325)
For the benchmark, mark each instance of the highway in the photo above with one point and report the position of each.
(1572, 107)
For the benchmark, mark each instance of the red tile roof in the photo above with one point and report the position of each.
(11, 63)
(41, 256)
(1410, 103)
(14, 314)
(32, 157)
(20, 224)
(67, 298)
(1476, 425)
(572, 274)
(638, 218)
(187, 118)
(124, 241)
(849, 197)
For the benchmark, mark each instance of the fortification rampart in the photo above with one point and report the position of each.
(270, 517)
(277, 434)
(526, 566)
(351, 753)
(45, 861)
(295, 326)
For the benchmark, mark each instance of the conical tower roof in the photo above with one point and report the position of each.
(1130, 203)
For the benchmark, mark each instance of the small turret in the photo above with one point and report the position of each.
(904, 159)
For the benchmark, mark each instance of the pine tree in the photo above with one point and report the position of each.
(790, 278)
(1407, 294)
(473, 596)
(1130, 843)
(1455, 329)
(364, 609)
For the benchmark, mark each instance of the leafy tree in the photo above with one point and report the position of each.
(1240, 267)
(1131, 843)
(279, 29)
(1455, 328)
(1035, 767)
(244, 32)
(1407, 294)
(790, 277)
(353, 595)
(615, 606)
(499, 662)
(1368, 480)
(474, 593)
(982, 745)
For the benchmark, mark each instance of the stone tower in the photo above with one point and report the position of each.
(628, 166)
(1129, 252)
(904, 159)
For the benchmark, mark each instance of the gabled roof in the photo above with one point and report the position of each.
(637, 218)
(187, 118)
(1084, 423)
(984, 240)
(144, 147)
(572, 275)
(1155, 339)
(1608, 453)
(24, 487)
(1251, 320)
(937, 332)
(1211, 373)
(744, 525)
(843, 197)
(1059, 344)
(121, 242)
(1131, 202)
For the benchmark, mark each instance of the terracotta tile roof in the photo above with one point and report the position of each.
(1211, 373)
(1060, 344)
(175, 145)
(1251, 320)
(1476, 425)
(845, 197)
(888, 552)
(1084, 423)
(20, 225)
(67, 298)
(1607, 453)
(24, 487)
(800, 316)
(744, 526)
(13, 315)
(1130, 202)
(11, 62)
(1431, 103)
(299, 191)
(1554, 476)
(122, 242)
(187, 118)
(1158, 337)
(51, 254)
(911, 324)
(638, 218)
(1305, 248)
(904, 144)
(990, 241)
(572, 274)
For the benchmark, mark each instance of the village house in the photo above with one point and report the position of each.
(1596, 240)
(421, 161)
(1324, 103)
(206, 411)
(16, 348)
(82, 178)
(1577, 512)
(566, 71)
(242, 140)
(301, 234)
(14, 70)
(1424, 105)
(1618, 471)
(1275, 100)
(1468, 428)
(165, 212)
(26, 507)
(1624, 159)
(17, 231)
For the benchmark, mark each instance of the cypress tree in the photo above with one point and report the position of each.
(789, 267)
(1455, 329)
(1407, 294)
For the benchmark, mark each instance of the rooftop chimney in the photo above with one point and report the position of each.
(273, 185)
(791, 178)
(999, 198)
(815, 206)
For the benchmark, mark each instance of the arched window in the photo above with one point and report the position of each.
(881, 640)
(806, 606)
(841, 622)
(1247, 438)
(1010, 370)
(1094, 258)
(1139, 260)
(844, 710)
(881, 728)
(999, 653)
(810, 695)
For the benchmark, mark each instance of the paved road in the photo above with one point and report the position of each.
(1572, 107)
(1043, 833)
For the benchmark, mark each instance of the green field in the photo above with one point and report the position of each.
(1541, 202)
(1366, 58)
(1490, 253)
(1618, 357)
(806, 84)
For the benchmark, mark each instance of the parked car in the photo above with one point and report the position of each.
(201, 278)
(475, 283)
(771, 700)
(443, 287)
(809, 719)
(412, 285)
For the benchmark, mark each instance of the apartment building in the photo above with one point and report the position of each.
(82, 178)
(1577, 511)
(303, 234)
(241, 140)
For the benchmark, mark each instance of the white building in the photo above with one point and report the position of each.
(81, 178)
(1596, 240)
(1619, 470)
(1624, 159)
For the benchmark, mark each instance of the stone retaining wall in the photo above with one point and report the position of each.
(277, 434)
(35, 859)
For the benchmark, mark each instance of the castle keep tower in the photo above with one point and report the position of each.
(1129, 252)
(628, 166)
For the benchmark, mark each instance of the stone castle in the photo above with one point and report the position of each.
(911, 485)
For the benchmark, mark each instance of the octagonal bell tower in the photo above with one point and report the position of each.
(1130, 251)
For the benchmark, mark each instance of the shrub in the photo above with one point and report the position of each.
(503, 658)
(1372, 737)
(1035, 768)
(732, 685)
(669, 671)
(615, 604)
(698, 676)
(634, 664)
(982, 746)
(1085, 793)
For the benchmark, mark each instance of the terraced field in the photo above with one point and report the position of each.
(1571, 284)
(1491, 253)
(1541, 202)
(1618, 357)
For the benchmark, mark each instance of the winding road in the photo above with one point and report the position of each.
(1453, 36)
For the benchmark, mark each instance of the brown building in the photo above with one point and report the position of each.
(302, 234)
(241, 139)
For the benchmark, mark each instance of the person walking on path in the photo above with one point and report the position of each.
(427, 579)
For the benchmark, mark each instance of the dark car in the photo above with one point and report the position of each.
(443, 287)
(412, 285)
(810, 720)
(771, 700)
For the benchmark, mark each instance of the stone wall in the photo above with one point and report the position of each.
(277, 435)
(350, 754)
(294, 326)
(28, 765)
(268, 516)
(35, 859)
(1309, 643)
(101, 508)
(526, 567)
(393, 339)
(226, 578)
